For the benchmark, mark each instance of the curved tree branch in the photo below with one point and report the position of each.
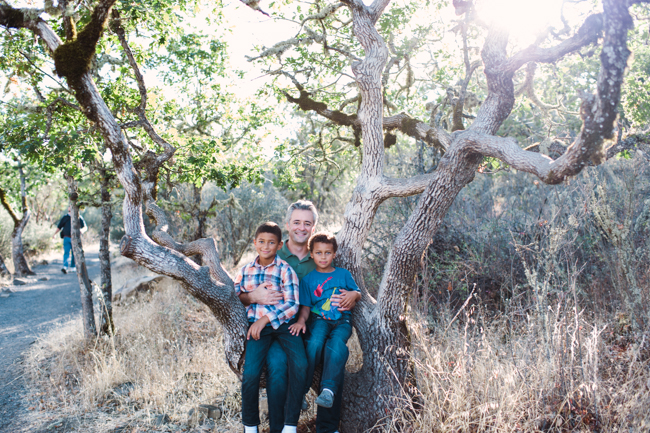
(437, 137)
(217, 294)
(587, 34)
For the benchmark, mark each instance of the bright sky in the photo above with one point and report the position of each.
(526, 18)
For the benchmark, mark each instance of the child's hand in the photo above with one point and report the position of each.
(346, 300)
(297, 327)
(256, 328)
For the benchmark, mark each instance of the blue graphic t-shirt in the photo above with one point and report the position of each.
(317, 288)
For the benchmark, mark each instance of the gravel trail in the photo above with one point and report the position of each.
(26, 314)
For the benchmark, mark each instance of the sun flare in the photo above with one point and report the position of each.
(524, 19)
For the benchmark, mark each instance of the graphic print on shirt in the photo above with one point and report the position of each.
(319, 290)
(324, 307)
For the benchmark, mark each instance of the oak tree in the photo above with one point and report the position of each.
(386, 381)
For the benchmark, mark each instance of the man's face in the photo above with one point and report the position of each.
(267, 245)
(300, 226)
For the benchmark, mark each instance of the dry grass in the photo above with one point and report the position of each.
(165, 358)
(542, 364)
(549, 372)
(539, 370)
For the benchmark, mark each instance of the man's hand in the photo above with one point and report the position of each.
(346, 300)
(261, 295)
(256, 328)
(297, 327)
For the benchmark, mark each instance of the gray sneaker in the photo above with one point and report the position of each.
(64, 270)
(326, 398)
(73, 269)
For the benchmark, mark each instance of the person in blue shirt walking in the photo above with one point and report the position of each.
(329, 328)
(65, 227)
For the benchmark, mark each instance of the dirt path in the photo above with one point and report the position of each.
(27, 313)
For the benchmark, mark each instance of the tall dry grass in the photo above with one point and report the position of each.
(166, 358)
(552, 369)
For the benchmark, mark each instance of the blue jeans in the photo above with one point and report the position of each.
(327, 342)
(255, 358)
(67, 252)
(276, 386)
(327, 420)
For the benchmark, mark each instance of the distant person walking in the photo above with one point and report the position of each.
(65, 227)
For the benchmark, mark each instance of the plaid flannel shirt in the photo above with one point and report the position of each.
(282, 279)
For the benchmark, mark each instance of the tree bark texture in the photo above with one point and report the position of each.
(4, 272)
(21, 267)
(85, 285)
(385, 381)
(106, 325)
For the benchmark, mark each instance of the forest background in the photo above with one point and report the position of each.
(529, 306)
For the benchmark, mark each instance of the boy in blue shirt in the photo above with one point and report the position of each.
(329, 328)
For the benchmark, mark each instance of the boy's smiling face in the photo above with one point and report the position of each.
(323, 255)
(267, 245)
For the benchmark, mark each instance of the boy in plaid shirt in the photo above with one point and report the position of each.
(268, 323)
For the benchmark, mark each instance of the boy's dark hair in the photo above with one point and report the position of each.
(270, 227)
(324, 238)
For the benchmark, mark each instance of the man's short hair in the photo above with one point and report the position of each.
(270, 227)
(302, 205)
(324, 238)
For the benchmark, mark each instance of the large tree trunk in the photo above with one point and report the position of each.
(85, 286)
(106, 319)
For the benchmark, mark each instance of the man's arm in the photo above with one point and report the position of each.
(261, 295)
(346, 300)
(291, 305)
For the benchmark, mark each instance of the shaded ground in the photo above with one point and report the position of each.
(28, 312)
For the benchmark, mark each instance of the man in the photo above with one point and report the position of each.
(65, 227)
(301, 222)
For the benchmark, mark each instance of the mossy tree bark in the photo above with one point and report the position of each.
(385, 383)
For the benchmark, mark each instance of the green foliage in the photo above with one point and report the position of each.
(235, 223)
(636, 90)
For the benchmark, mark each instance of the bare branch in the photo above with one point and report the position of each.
(153, 162)
(587, 34)
(377, 8)
(323, 13)
(405, 187)
(255, 5)
(279, 48)
(436, 137)
(7, 206)
(29, 19)
(529, 90)
(628, 143)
